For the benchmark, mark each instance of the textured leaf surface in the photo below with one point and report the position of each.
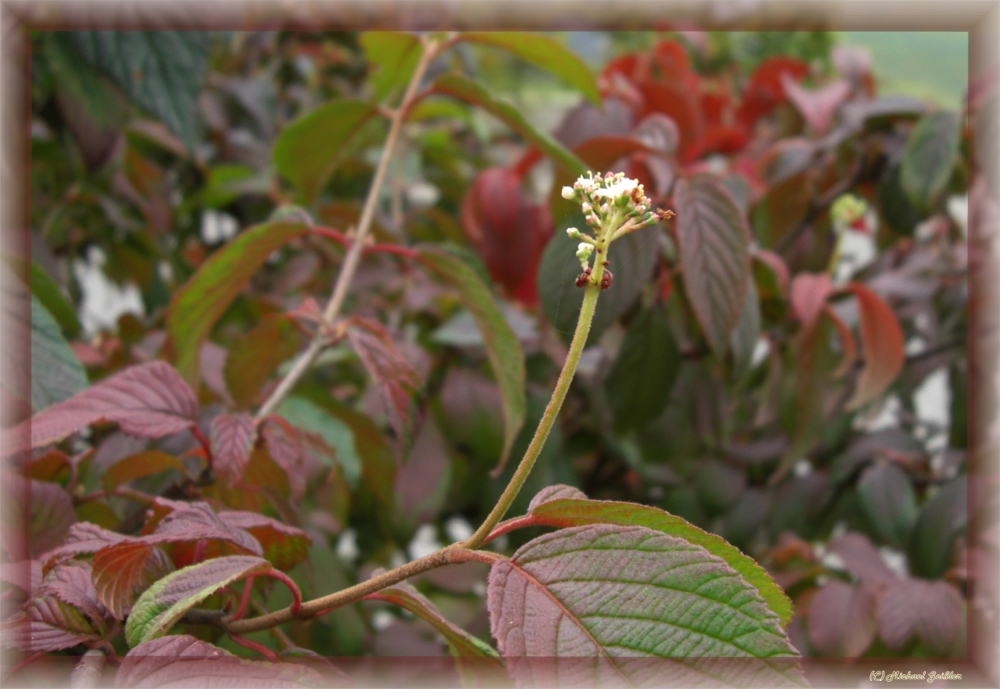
(459, 641)
(566, 512)
(642, 377)
(50, 511)
(166, 601)
(183, 661)
(616, 593)
(842, 620)
(503, 349)
(882, 345)
(929, 157)
(714, 241)
(56, 373)
(162, 71)
(232, 439)
(470, 92)
(632, 259)
(309, 149)
(395, 56)
(746, 332)
(139, 465)
(394, 375)
(149, 401)
(203, 299)
(254, 358)
(122, 572)
(544, 52)
(284, 546)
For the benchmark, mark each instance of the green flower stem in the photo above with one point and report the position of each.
(592, 291)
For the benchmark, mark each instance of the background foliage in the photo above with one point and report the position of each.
(763, 382)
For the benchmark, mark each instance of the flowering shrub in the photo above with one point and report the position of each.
(691, 431)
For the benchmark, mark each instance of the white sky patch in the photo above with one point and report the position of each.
(958, 210)
(761, 350)
(103, 301)
(458, 528)
(217, 226)
(347, 545)
(425, 542)
(382, 619)
(895, 560)
(422, 194)
(886, 417)
(857, 251)
(933, 399)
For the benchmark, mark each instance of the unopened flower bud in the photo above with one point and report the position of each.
(568, 193)
(583, 251)
(573, 232)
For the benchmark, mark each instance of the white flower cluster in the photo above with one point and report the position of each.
(600, 196)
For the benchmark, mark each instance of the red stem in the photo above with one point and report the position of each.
(296, 594)
(244, 599)
(513, 525)
(254, 646)
(375, 249)
(205, 445)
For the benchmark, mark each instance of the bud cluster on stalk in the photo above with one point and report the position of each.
(613, 205)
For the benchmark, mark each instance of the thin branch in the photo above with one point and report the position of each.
(353, 257)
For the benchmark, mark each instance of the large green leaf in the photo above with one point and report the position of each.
(395, 56)
(545, 52)
(642, 377)
(165, 602)
(309, 149)
(56, 373)
(617, 599)
(203, 299)
(941, 519)
(714, 243)
(577, 512)
(311, 417)
(503, 349)
(929, 157)
(632, 260)
(886, 496)
(464, 89)
(162, 71)
(47, 291)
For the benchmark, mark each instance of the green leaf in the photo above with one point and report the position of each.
(466, 90)
(714, 243)
(941, 519)
(615, 597)
(929, 157)
(886, 496)
(545, 52)
(503, 349)
(47, 291)
(461, 643)
(895, 206)
(138, 465)
(310, 149)
(643, 375)
(164, 603)
(563, 513)
(395, 56)
(203, 299)
(311, 417)
(56, 373)
(162, 71)
(253, 358)
(632, 260)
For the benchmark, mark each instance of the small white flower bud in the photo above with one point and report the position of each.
(573, 232)
(583, 251)
(568, 193)
(586, 208)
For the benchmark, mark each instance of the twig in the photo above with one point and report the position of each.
(353, 257)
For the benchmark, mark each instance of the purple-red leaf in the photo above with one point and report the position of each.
(83, 538)
(284, 546)
(124, 571)
(232, 437)
(183, 661)
(138, 465)
(842, 619)
(150, 400)
(714, 242)
(394, 374)
(847, 342)
(556, 492)
(809, 295)
(614, 593)
(254, 357)
(52, 515)
(931, 610)
(883, 344)
(863, 560)
(288, 447)
(817, 107)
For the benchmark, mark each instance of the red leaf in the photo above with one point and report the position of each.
(183, 661)
(150, 400)
(809, 295)
(421, 483)
(495, 220)
(197, 522)
(863, 561)
(882, 340)
(556, 492)
(722, 139)
(284, 546)
(673, 62)
(233, 437)
(765, 92)
(394, 374)
(601, 152)
(846, 340)
(681, 105)
(817, 107)
(288, 447)
(930, 610)
(71, 584)
(842, 620)
(51, 511)
(123, 571)
(714, 242)
(83, 538)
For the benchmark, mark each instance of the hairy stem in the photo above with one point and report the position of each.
(353, 257)
(452, 555)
